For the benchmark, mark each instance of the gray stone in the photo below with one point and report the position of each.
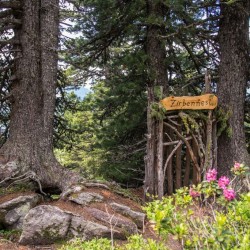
(13, 212)
(124, 225)
(71, 190)
(137, 217)
(44, 225)
(97, 185)
(85, 198)
(87, 230)
(32, 198)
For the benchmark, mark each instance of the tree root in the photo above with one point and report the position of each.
(29, 175)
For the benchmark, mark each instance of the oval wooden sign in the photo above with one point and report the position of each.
(207, 101)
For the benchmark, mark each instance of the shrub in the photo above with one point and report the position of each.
(135, 242)
(206, 216)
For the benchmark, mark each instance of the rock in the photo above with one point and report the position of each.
(12, 212)
(125, 225)
(97, 185)
(85, 198)
(137, 217)
(88, 230)
(45, 224)
(71, 190)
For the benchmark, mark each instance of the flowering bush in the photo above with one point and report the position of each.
(223, 182)
(207, 216)
(211, 175)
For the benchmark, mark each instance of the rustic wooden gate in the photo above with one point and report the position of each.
(189, 146)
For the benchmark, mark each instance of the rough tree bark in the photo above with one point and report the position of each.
(157, 77)
(33, 94)
(234, 66)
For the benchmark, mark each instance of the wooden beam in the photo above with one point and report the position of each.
(176, 142)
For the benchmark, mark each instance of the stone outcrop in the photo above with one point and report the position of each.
(84, 211)
(85, 198)
(137, 217)
(45, 224)
(12, 212)
(124, 225)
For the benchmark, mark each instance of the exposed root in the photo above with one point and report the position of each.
(29, 175)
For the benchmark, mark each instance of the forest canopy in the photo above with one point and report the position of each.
(131, 54)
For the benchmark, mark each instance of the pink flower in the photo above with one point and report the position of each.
(237, 166)
(223, 182)
(229, 194)
(211, 175)
(193, 193)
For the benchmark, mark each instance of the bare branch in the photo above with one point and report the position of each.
(7, 27)
(170, 156)
(10, 4)
(10, 41)
(5, 13)
(189, 148)
(10, 21)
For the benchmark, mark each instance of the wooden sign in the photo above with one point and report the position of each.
(207, 101)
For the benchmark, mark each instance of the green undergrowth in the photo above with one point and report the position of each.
(214, 215)
(17, 188)
(10, 235)
(210, 216)
(135, 242)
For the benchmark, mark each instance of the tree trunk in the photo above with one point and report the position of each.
(33, 92)
(157, 77)
(234, 66)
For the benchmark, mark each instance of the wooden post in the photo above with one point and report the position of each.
(178, 183)
(196, 174)
(209, 127)
(169, 170)
(187, 169)
(159, 157)
(150, 178)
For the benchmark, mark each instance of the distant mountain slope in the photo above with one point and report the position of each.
(81, 92)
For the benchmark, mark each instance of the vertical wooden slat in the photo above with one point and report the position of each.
(196, 176)
(169, 149)
(187, 169)
(178, 181)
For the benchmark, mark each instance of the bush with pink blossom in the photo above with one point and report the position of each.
(211, 215)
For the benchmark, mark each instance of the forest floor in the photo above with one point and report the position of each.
(9, 241)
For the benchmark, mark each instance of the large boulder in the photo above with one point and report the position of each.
(45, 224)
(12, 212)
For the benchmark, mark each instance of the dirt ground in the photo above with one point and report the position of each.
(148, 232)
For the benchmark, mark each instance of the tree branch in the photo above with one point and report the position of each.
(10, 41)
(10, 4)
(7, 27)
(5, 13)
(10, 21)
(189, 148)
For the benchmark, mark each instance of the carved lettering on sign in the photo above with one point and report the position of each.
(207, 101)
